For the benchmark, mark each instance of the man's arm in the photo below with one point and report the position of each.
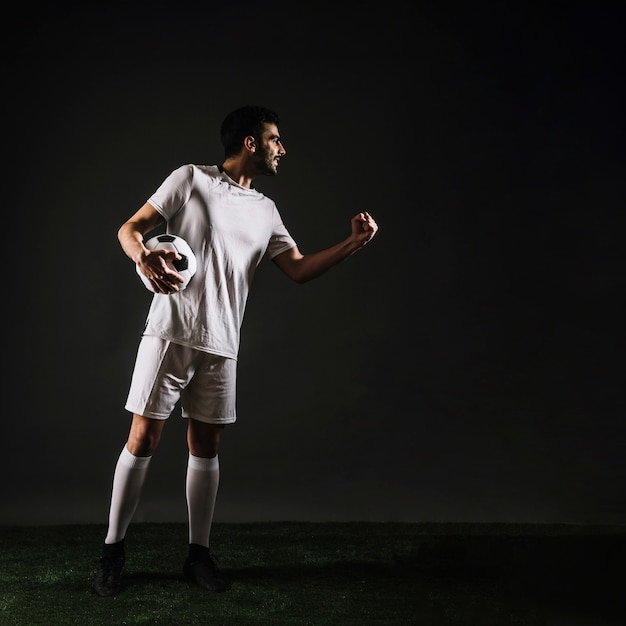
(304, 267)
(152, 263)
(131, 233)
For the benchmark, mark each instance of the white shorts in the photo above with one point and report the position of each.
(166, 372)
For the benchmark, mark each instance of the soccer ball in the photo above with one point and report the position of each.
(186, 266)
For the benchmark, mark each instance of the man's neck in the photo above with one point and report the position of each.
(236, 170)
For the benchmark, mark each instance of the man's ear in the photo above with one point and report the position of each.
(250, 143)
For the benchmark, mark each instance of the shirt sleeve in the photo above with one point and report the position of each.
(281, 240)
(173, 192)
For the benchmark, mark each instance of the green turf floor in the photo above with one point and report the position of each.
(324, 574)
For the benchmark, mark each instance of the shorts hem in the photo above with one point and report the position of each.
(209, 420)
(148, 414)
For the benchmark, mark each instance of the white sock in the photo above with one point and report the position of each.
(128, 479)
(203, 477)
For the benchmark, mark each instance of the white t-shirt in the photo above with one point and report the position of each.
(229, 228)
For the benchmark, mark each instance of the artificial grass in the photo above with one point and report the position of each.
(294, 573)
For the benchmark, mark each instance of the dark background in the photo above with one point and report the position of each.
(467, 365)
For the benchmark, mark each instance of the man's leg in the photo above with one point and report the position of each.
(130, 474)
(128, 479)
(203, 476)
(201, 490)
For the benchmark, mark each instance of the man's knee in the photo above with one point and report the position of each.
(203, 439)
(144, 436)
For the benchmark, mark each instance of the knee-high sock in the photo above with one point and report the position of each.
(128, 479)
(203, 477)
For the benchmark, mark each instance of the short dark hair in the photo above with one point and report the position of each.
(247, 120)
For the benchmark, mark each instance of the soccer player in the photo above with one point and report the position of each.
(188, 349)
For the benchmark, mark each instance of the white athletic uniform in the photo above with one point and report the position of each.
(229, 228)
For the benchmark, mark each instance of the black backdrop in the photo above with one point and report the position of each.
(466, 366)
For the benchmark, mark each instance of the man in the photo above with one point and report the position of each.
(189, 346)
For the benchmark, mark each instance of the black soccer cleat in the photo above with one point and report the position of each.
(108, 581)
(199, 569)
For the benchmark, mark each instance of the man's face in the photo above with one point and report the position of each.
(270, 151)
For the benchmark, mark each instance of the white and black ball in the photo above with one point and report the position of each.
(186, 266)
